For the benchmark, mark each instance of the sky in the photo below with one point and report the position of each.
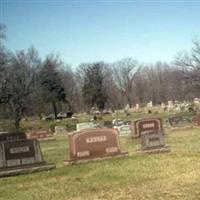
(100, 30)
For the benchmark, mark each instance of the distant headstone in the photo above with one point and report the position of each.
(179, 121)
(137, 106)
(118, 122)
(153, 142)
(40, 134)
(124, 130)
(149, 124)
(170, 105)
(9, 136)
(82, 126)
(60, 130)
(21, 156)
(108, 124)
(150, 104)
(92, 144)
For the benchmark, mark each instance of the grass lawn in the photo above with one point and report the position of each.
(174, 175)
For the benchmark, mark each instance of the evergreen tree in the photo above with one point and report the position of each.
(51, 83)
(92, 90)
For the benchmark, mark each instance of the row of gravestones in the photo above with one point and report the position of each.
(20, 153)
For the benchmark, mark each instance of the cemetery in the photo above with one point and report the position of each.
(150, 145)
(99, 100)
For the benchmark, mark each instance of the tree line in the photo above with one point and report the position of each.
(31, 86)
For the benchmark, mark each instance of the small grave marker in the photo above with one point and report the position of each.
(124, 130)
(92, 144)
(82, 126)
(40, 134)
(153, 142)
(108, 124)
(60, 130)
(21, 156)
(150, 124)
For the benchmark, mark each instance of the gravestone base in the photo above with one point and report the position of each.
(12, 171)
(71, 162)
(161, 149)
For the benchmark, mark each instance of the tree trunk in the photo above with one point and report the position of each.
(17, 124)
(54, 109)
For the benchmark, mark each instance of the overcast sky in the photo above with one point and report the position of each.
(87, 31)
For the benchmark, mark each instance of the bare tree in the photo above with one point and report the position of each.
(22, 71)
(125, 72)
(189, 64)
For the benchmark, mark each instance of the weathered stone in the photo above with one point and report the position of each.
(153, 142)
(179, 121)
(7, 136)
(40, 134)
(21, 156)
(60, 130)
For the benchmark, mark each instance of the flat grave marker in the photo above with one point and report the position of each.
(21, 156)
(94, 144)
(149, 124)
(179, 121)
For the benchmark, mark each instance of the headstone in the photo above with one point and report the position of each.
(118, 122)
(162, 106)
(179, 121)
(92, 144)
(40, 134)
(170, 105)
(21, 156)
(137, 106)
(149, 124)
(60, 130)
(153, 142)
(150, 104)
(7, 136)
(124, 130)
(108, 124)
(82, 126)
